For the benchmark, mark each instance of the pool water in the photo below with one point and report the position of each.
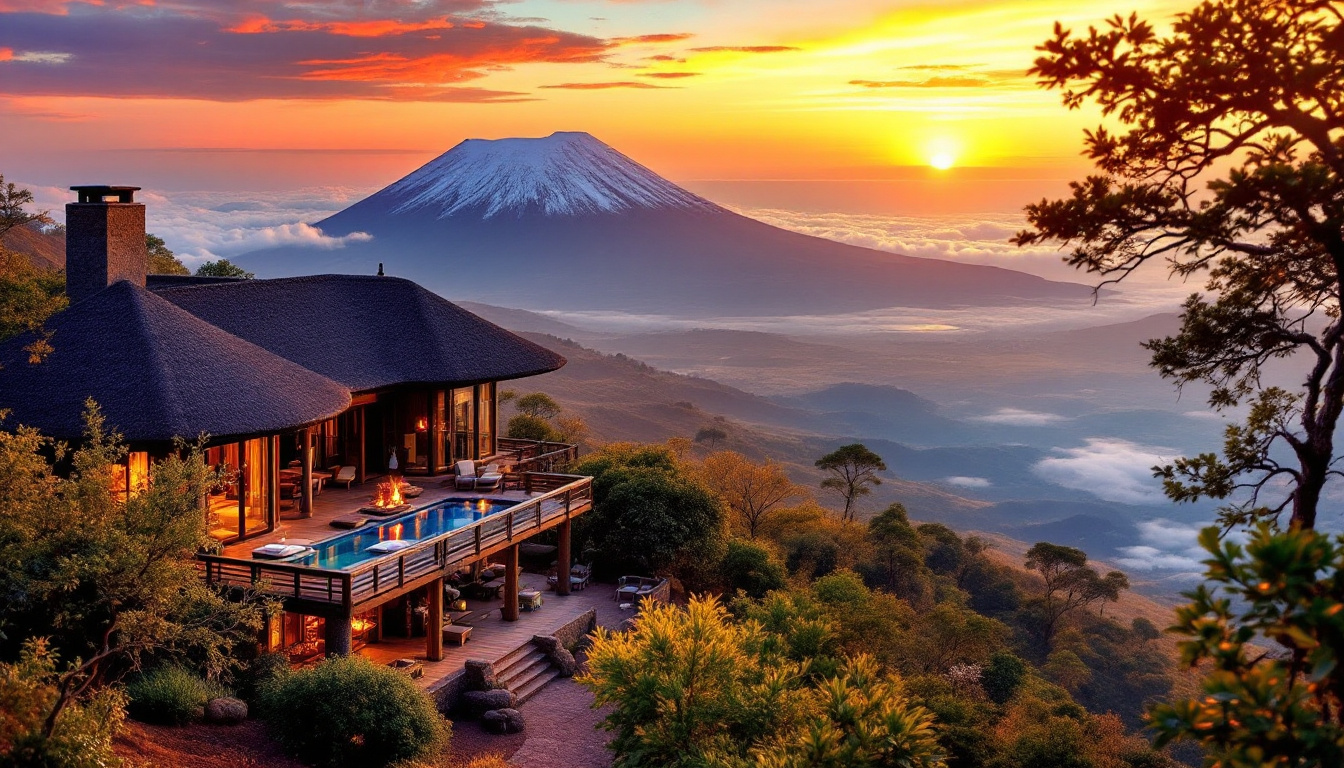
(351, 549)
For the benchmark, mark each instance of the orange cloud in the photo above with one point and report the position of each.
(670, 37)
(371, 28)
(670, 75)
(6, 54)
(746, 49)
(603, 86)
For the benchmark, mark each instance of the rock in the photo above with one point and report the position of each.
(546, 643)
(564, 662)
(507, 720)
(225, 710)
(513, 720)
(477, 703)
(479, 676)
(494, 721)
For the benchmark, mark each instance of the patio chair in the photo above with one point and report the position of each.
(489, 478)
(345, 475)
(466, 475)
(578, 577)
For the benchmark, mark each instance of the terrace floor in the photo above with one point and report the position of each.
(335, 501)
(492, 638)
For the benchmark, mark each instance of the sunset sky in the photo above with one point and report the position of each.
(696, 89)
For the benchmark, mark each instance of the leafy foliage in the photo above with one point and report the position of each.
(163, 261)
(1258, 707)
(223, 268)
(527, 427)
(753, 493)
(14, 201)
(651, 515)
(1070, 584)
(82, 732)
(111, 582)
(538, 405)
(692, 687)
(170, 694)
(852, 471)
(28, 296)
(349, 711)
(1252, 91)
(752, 568)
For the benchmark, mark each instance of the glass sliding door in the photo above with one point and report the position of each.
(256, 485)
(485, 423)
(464, 424)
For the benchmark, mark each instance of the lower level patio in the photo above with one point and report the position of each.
(492, 638)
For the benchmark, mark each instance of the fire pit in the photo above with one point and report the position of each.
(388, 500)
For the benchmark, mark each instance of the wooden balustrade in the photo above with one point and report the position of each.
(563, 496)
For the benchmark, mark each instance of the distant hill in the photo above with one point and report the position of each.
(45, 250)
(567, 222)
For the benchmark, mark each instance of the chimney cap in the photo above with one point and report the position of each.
(98, 193)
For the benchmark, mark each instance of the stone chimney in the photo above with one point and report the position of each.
(104, 240)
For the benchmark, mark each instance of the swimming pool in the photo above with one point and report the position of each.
(351, 549)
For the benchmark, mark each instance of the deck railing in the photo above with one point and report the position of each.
(565, 496)
(536, 455)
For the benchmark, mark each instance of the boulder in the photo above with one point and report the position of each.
(225, 710)
(513, 720)
(564, 662)
(547, 643)
(477, 703)
(494, 721)
(507, 720)
(478, 675)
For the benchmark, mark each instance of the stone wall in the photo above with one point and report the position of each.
(573, 633)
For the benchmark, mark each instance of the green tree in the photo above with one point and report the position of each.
(223, 268)
(161, 260)
(1224, 156)
(82, 734)
(28, 297)
(711, 435)
(898, 556)
(864, 720)
(1258, 708)
(1002, 675)
(538, 405)
(14, 201)
(750, 567)
(852, 471)
(650, 514)
(108, 581)
(690, 687)
(1070, 584)
(526, 427)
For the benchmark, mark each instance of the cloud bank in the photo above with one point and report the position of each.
(1108, 468)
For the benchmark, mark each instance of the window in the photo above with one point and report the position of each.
(485, 409)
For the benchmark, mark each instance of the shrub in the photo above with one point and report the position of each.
(82, 734)
(263, 671)
(527, 427)
(352, 712)
(752, 568)
(1002, 676)
(170, 695)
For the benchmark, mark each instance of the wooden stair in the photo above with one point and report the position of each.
(525, 671)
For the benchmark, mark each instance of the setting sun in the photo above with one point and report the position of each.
(942, 160)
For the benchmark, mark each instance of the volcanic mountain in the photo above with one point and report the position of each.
(566, 222)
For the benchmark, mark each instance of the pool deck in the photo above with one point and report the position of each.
(335, 501)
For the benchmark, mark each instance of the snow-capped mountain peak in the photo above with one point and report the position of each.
(564, 174)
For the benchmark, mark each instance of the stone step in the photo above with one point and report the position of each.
(520, 673)
(534, 684)
(506, 672)
(513, 657)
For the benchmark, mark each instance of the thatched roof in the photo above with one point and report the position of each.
(366, 332)
(157, 372)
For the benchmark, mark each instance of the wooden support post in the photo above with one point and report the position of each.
(511, 583)
(338, 635)
(434, 622)
(562, 563)
(306, 498)
(359, 445)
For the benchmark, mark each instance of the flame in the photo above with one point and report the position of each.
(421, 425)
(359, 625)
(389, 494)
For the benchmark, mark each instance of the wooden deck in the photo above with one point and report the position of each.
(492, 638)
